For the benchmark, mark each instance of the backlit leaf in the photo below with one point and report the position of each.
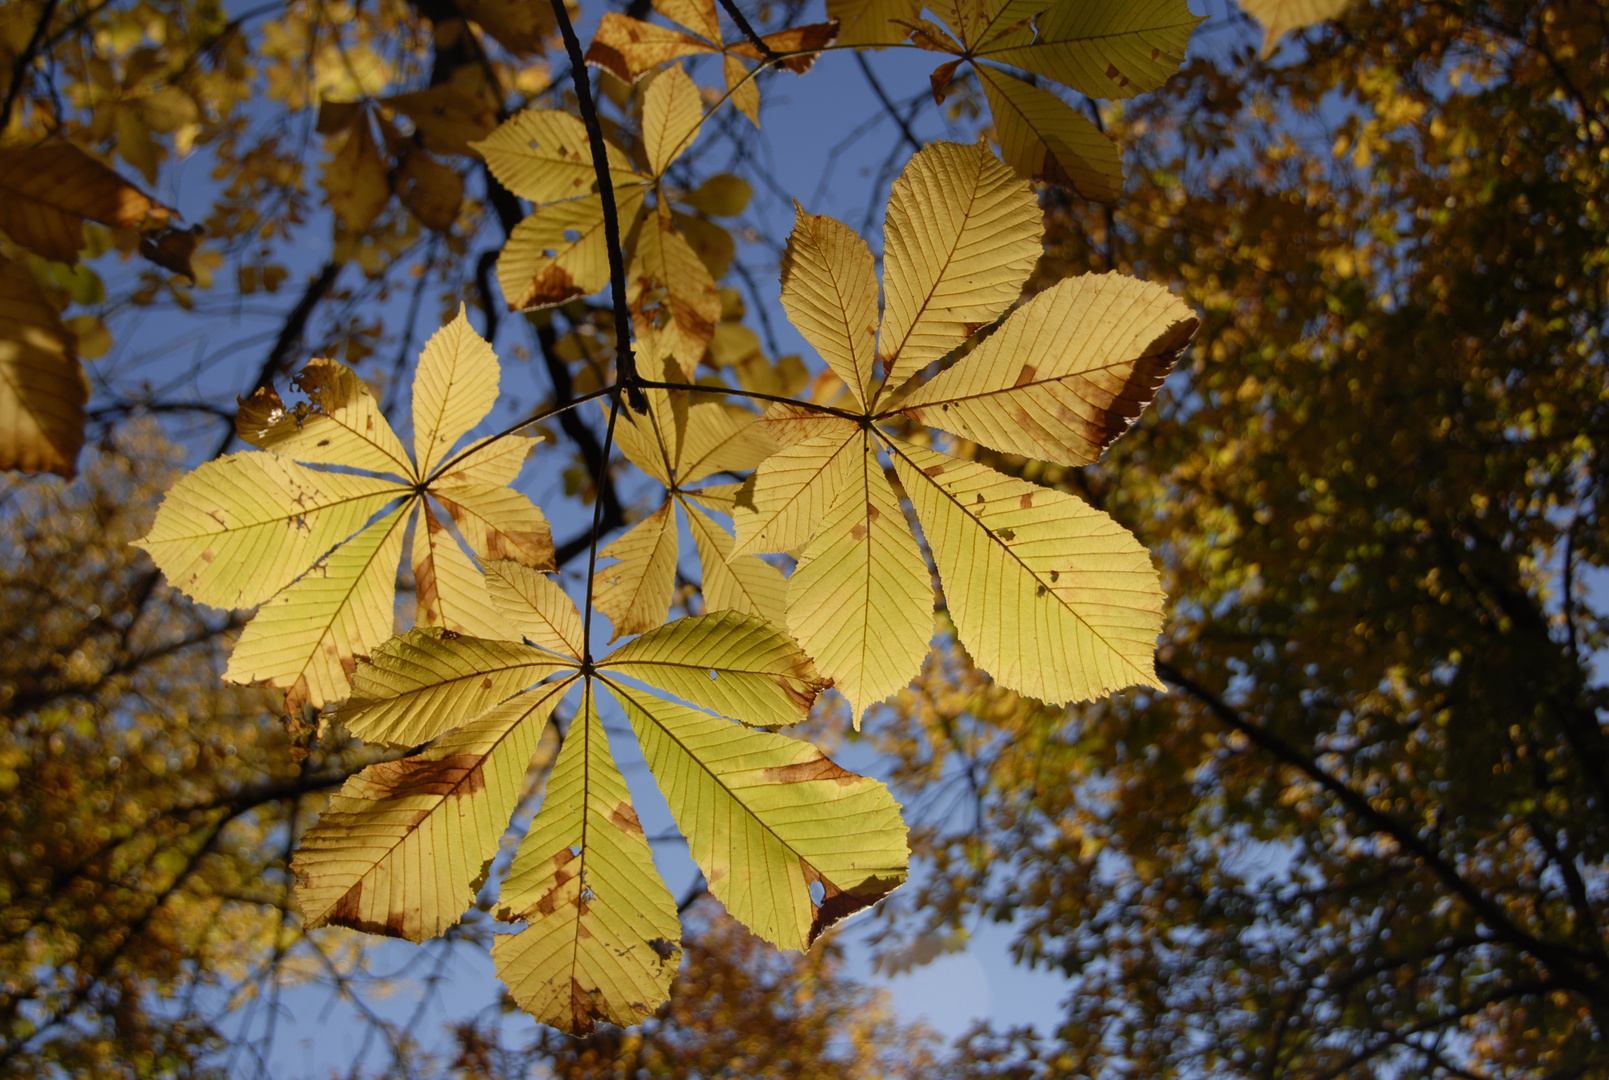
(357, 179)
(1106, 49)
(1043, 137)
(454, 388)
(340, 425)
(47, 191)
(794, 488)
(767, 816)
(829, 290)
(872, 22)
(429, 681)
(237, 530)
(962, 235)
(305, 639)
(729, 662)
(405, 844)
(861, 599)
(543, 155)
(745, 583)
(635, 592)
(1066, 374)
(1049, 595)
(671, 292)
(629, 48)
(449, 592)
(558, 253)
(43, 390)
(599, 943)
(538, 609)
(672, 111)
(499, 523)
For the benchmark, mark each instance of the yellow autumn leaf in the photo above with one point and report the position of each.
(629, 48)
(43, 390)
(559, 253)
(670, 290)
(404, 845)
(236, 531)
(794, 488)
(599, 945)
(48, 191)
(1049, 595)
(962, 235)
(543, 155)
(1043, 137)
(635, 591)
(672, 111)
(728, 662)
(422, 684)
(1105, 48)
(1281, 17)
(860, 600)
(766, 817)
(872, 23)
(744, 583)
(829, 290)
(536, 607)
(357, 179)
(1067, 373)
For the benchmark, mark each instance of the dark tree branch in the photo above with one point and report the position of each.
(625, 359)
(24, 61)
(888, 103)
(1569, 968)
(748, 31)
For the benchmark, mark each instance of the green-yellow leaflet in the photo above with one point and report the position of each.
(1051, 597)
(405, 845)
(319, 549)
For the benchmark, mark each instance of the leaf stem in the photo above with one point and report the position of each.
(597, 511)
(742, 22)
(847, 414)
(625, 359)
(541, 414)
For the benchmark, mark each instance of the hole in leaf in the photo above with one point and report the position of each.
(714, 674)
(818, 892)
(575, 849)
(572, 235)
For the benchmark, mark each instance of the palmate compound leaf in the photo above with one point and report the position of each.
(1100, 48)
(322, 547)
(629, 48)
(1054, 599)
(559, 253)
(680, 444)
(405, 844)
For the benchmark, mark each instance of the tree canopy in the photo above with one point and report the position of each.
(1187, 507)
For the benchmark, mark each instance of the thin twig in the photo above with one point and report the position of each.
(24, 60)
(888, 103)
(770, 54)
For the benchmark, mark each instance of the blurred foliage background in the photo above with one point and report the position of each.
(1366, 833)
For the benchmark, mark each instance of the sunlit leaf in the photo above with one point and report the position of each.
(1049, 595)
(539, 610)
(43, 390)
(731, 663)
(404, 845)
(340, 425)
(672, 111)
(599, 944)
(767, 816)
(962, 235)
(448, 591)
(1106, 49)
(559, 252)
(872, 22)
(454, 388)
(1281, 17)
(1043, 137)
(829, 290)
(635, 592)
(543, 155)
(429, 681)
(861, 599)
(498, 522)
(670, 290)
(745, 583)
(1066, 374)
(794, 488)
(305, 639)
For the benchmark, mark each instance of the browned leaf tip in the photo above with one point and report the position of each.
(940, 79)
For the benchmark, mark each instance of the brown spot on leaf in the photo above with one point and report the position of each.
(872, 513)
(586, 1008)
(553, 285)
(455, 774)
(1042, 590)
(857, 533)
(624, 818)
(208, 555)
(486, 683)
(818, 768)
(348, 912)
(1026, 502)
(934, 470)
(664, 949)
(1026, 375)
(838, 904)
